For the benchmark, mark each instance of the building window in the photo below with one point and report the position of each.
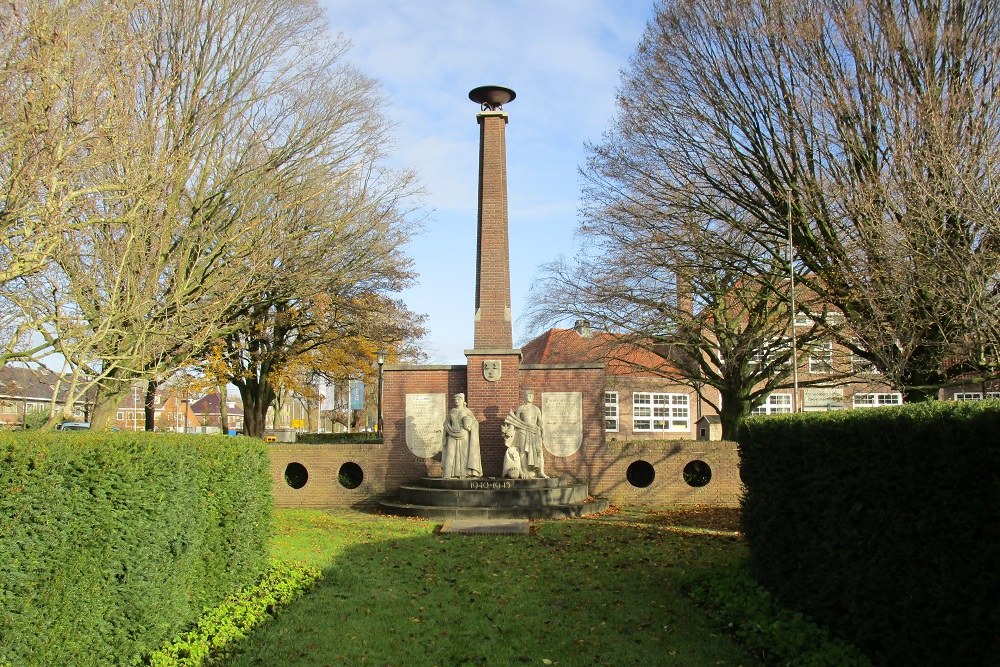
(121, 415)
(875, 400)
(834, 319)
(660, 412)
(968, 396)
(611, 411)
(862, 366)
(803, 320)
(775, 404)
(821, 358)
(776, 348)
(992, 395)
(9, 409)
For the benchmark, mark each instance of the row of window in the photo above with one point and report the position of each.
(782, 403)
(651, 412)
(820, 357)
(976, 396)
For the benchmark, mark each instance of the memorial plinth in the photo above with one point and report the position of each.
(493, 498)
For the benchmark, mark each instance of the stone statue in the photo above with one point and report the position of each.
(512, 458)
(526, 421)
(460, 448)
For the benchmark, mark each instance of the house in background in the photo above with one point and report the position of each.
(24, 391)
(641, 400)
(209, 414)
(172, 411)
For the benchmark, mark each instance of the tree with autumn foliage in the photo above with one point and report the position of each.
(332, 289)
(212, 155)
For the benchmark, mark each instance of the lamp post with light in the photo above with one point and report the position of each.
(380, 360)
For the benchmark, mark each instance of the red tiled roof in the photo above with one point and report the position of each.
(209, 405)
(567, 346)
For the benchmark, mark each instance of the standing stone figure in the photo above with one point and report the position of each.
(512, 457)
(526, 420)
(460, 448)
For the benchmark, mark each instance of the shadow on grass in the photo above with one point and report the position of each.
(573, 592)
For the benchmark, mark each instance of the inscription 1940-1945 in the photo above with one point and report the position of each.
(491, 485)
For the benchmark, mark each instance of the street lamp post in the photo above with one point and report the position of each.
(380, 360)
(791, 297)
(135, 408)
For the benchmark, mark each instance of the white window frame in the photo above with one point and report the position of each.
(9, 409)
(779, 344)
(655, 412)
(774, 404)
(120, 416)
(862, 366)
(992, 395)
(821, 358)
(968, 396)
(834, 318)
(874, 400)
(611, 411)
(803, 320)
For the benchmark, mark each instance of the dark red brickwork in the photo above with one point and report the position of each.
(601, 461)
(323, 464)
(491, 401)
(493, 317)
(398, 381)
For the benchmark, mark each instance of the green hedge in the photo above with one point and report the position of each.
(882, 524)
(112, 543)
(363, 437)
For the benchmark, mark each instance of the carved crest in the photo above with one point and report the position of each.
(491, 370)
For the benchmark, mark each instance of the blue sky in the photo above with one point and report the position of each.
(563, 59)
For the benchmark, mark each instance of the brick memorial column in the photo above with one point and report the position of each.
(493, 379)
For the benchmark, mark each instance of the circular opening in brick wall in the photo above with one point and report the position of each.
(296, 475)
(350, 475)
(640, 474)
(697, 473)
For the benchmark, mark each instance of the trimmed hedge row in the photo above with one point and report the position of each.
(770, 632)
(882, 524)
(112, 543)
(220, 628)
(361, 437)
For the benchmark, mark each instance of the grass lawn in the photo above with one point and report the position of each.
(601, 590)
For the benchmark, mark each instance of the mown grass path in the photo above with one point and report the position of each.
(600, 591)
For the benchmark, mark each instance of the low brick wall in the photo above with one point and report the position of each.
(323, 464)
(658, 467)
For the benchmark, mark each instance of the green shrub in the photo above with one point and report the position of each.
(110, 543)
(234, 619)
(775, 634)
(363, 437)
(882, 525)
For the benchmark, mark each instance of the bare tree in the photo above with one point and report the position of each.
(713, 303)
(51, 91)
(224, 123)
(872, 125)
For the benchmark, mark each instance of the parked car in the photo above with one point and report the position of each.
(73, 426)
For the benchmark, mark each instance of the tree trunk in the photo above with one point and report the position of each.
(257, 398)
(149, 405)
(224, 408)
(733, 411)
(109, 394)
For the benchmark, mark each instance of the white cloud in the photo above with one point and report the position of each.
(562, 57)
